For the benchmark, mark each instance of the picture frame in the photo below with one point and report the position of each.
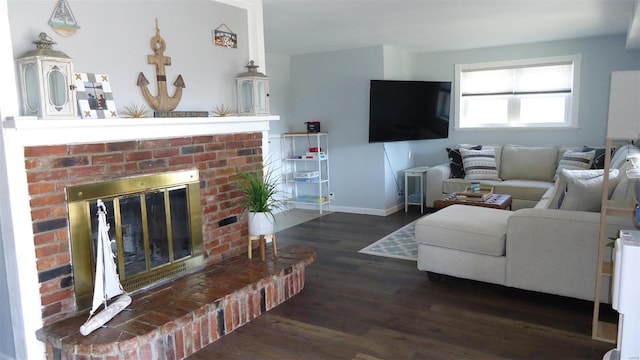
(224, 38)
(95, 98)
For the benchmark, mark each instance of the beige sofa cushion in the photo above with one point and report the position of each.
(467, 228)
(529, 163)
(523, 189)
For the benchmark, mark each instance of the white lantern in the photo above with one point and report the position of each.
(45, 77)
(252, 91)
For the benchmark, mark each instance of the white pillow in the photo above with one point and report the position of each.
(479, 164)
(576, 160)
(563, 178)
(586, 194)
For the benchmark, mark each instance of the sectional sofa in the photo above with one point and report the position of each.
(549, 244)
(524, 172)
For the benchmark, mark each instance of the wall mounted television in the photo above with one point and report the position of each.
(408, 110)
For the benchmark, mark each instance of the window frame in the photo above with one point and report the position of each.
(571, 119)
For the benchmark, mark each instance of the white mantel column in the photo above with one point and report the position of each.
(19, 259)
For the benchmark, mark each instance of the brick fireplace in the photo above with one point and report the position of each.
(51, 169)
(55, 154)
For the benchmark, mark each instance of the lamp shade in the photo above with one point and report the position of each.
(624, 105)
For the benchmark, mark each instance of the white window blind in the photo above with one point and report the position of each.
(525, 93)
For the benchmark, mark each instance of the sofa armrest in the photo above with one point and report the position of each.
(556, 251)
(435, 178)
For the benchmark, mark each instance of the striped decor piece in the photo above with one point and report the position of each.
(480, 164)
(576, 160)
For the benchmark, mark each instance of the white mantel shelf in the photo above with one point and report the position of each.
(33, 132)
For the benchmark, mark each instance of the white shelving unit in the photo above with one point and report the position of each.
(605, 330)
(622, 125)
(306, 169)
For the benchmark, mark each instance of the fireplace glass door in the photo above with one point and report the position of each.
(154, 227)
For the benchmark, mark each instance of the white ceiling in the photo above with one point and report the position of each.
(295, 27)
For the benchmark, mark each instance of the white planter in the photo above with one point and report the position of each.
(261, 223)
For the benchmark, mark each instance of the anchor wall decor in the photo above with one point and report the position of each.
(161, 102)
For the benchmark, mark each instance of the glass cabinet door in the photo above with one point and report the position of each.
(31, 89)
(60, 100)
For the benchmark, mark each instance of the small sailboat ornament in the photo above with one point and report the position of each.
(107, 283)
(62, 20)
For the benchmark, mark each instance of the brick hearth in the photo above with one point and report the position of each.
(179, 318)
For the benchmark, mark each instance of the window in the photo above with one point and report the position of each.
(533, 93)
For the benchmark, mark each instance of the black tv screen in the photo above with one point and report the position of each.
(408, 110)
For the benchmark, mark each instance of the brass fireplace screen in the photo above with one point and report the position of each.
(155, 221)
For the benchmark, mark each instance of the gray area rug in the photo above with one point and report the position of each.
(400, 244)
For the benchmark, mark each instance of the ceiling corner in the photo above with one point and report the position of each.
(633, 35)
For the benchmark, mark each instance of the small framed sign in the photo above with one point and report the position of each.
(95, 99)
(225, 38)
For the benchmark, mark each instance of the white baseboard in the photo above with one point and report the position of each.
(366, 211)
(352, 210)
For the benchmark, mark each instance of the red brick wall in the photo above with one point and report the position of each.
(50, 169)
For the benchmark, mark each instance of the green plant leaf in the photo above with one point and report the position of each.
(260, 190)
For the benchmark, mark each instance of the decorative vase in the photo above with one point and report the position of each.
(261, 223)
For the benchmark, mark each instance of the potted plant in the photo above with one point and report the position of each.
(261, 199)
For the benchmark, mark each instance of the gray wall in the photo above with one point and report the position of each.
(116, 42)
(333, 87)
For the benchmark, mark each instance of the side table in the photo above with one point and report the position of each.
(419, 172)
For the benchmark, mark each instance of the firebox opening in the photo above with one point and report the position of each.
(155, 227)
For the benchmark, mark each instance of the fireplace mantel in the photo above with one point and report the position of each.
(70, 131)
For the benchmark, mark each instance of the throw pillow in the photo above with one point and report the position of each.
(561, 183)
(619, 158)
(479, 164)
(586, 194)
(598, 158)
(576, 160)
(455, 162)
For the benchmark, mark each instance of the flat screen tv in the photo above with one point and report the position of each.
(408, 110)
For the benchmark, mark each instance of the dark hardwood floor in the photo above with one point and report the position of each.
(357, 306)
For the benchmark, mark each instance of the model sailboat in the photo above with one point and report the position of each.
(107, 282)
(62, 20)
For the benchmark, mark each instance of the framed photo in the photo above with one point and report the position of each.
(95, 99)
(225, 38)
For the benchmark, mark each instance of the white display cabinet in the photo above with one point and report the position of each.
(306, 169)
